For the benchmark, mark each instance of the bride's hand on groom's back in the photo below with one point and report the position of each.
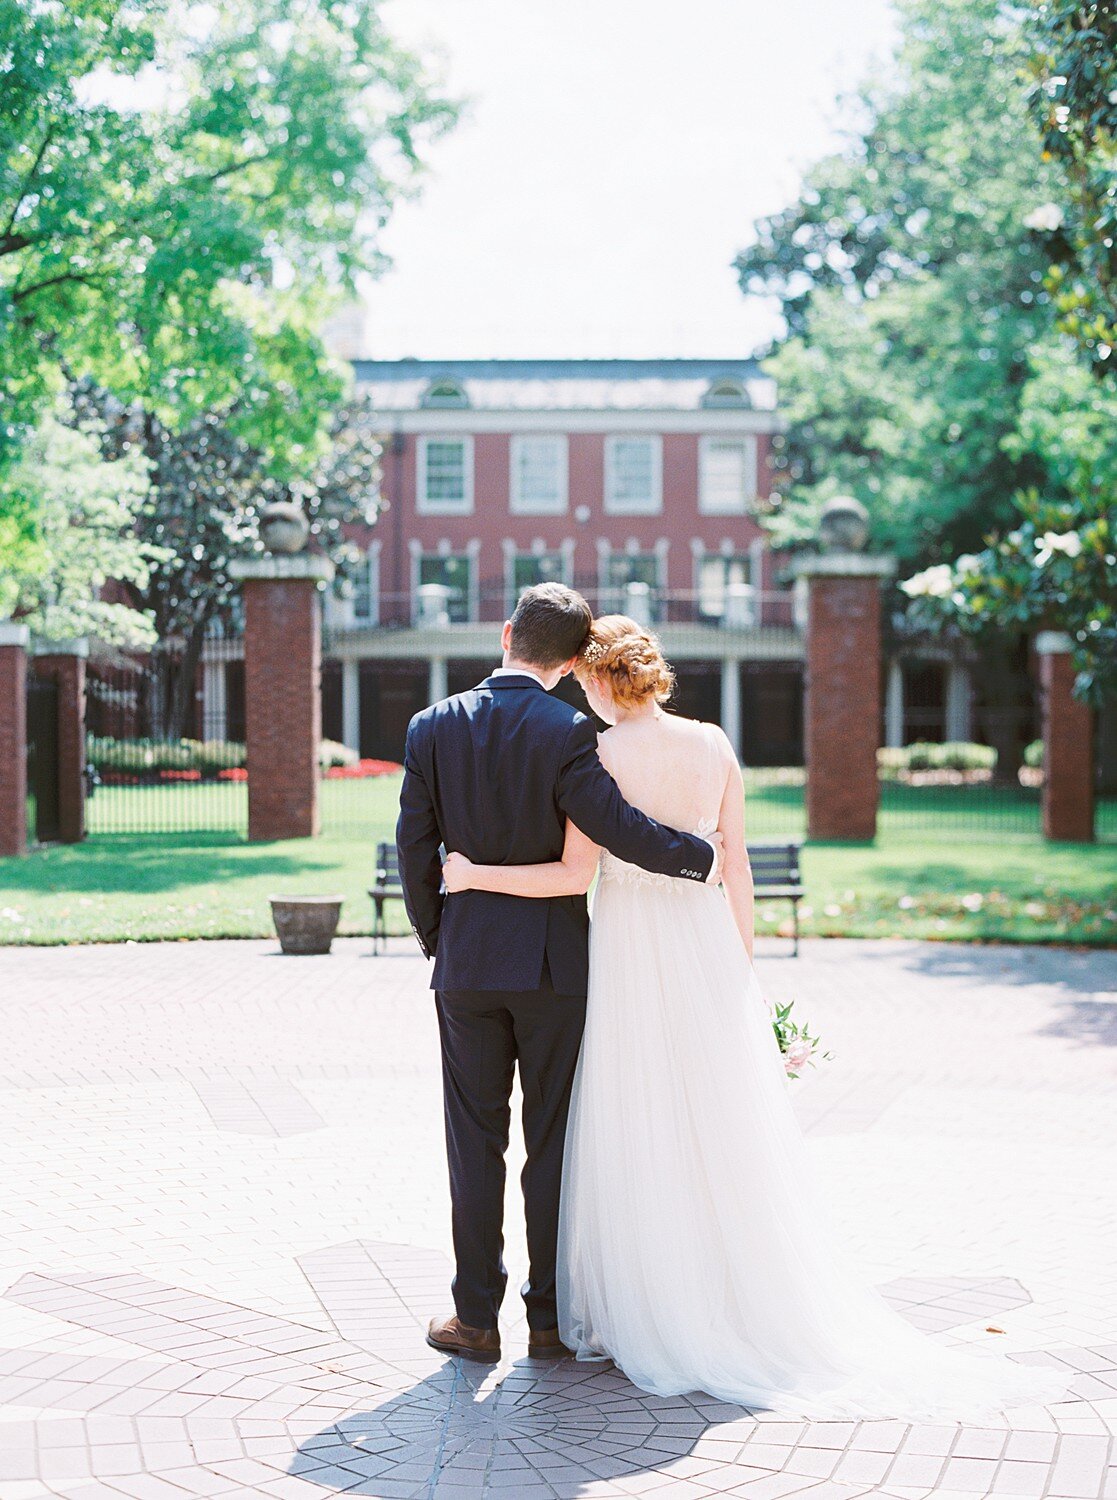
(456, 872)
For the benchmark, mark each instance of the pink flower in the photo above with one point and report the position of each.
(798, 1055)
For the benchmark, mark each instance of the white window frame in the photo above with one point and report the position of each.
(512, 553)
(744, 503)
(423, 505)
(653, 506)
(610, 596)
(516, 502)
(370, 563)
(470, 553)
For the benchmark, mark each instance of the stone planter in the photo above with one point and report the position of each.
(305, 924)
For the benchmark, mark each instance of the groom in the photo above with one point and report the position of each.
(494, 773)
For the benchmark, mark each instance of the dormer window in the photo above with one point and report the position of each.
(445, 393)
(726, 393)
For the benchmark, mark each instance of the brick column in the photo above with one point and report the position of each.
(843, 707)
(283, 691)
(13, 737)
(63, 662)
(1068, 745)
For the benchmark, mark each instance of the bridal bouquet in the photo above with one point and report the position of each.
(796, 1043)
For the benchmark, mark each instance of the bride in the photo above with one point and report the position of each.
(692, 1250)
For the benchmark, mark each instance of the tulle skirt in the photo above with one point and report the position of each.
(693, 1249)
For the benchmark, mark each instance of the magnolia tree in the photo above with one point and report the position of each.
(69, 526)
(1057, 569)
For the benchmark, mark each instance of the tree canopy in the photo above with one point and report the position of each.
(1073, 70)
(182, 188)
(913, 292)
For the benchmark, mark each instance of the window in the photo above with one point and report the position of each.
(445, 475)
(622, 569)
(722, 581)
(454, 573)
(726, 393)
(446, 393)
(366, 608)
(538, 481)
(633, 476)
(530, 568)
(727, 481)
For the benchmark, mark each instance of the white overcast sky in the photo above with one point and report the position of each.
(611, 160)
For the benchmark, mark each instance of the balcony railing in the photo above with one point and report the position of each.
(437, 607)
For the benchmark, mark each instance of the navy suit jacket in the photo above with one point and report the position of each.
(494, 774)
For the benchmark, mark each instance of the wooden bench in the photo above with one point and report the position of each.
(386, 887)
(775, 876)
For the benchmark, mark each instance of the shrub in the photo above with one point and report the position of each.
(147, 757)
(330, 753)
(1033, 755)
(927, 755)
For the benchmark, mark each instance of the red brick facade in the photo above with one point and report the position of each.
(13, 748)
(671, 531)
(1068, 753)
(843, 703)
(283, 705)
(67, 669)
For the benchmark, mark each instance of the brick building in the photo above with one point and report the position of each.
(636, 481)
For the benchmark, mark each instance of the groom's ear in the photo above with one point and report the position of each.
(567, 667)
(506, 636)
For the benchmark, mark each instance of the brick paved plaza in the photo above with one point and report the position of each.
(225, 1225)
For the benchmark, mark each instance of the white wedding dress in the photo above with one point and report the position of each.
(692, 1250)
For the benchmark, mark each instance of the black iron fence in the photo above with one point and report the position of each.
(160, 759)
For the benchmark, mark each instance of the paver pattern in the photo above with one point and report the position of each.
(225, 1226)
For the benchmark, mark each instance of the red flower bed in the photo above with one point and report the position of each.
(362, 769)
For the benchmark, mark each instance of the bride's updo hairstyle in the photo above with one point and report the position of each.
(628, 658)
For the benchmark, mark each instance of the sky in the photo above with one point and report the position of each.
(611, 160)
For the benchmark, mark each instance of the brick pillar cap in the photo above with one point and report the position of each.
(283, 565)
(12, 634)
(1053, 643)
(75, 646)
(843, 565)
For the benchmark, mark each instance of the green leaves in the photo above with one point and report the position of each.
(163, 168)
(1072, 77)
(912, 291)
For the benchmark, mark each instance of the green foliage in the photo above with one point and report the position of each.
(928, 755)
(68, 521)
(208, 486)
(1057, 568)
(1033, 755)
(182, 189)
(912, 290)
(1073, 74)
(148, 757)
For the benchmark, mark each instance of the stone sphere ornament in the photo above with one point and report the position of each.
(283, 527)
(843, 525)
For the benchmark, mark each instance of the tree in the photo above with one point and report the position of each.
(181, 189)
(208, 486)
(67, 529)
(912, 291)
(1073, 72)
(1057, 567)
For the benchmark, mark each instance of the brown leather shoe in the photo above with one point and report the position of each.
(544, 1343)
(452, 1336)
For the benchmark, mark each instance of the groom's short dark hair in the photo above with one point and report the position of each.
(549, 625)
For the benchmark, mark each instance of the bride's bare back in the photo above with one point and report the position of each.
(675, 770)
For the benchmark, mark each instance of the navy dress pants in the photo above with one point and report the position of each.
(485, 1033)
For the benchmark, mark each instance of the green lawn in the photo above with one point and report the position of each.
(958, 875)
